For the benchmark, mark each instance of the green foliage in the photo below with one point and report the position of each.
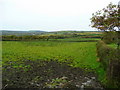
(104, 53)
(110, 60)
(110, 37)
(107, 18)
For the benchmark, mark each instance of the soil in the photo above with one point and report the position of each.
(48, 74)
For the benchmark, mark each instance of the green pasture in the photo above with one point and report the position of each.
(79, 53)
(76, 54)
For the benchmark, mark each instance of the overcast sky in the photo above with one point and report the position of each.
(49, 15)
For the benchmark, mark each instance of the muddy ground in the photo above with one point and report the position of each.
(48, 74)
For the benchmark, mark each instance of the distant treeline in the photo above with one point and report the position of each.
(21, 33)
(30, 37)
(43, 37)
(39, 32)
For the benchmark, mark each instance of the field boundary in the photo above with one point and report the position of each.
(110, 60)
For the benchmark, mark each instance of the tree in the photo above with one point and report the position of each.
(107, 19)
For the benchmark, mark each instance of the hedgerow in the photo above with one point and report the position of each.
(110, 60)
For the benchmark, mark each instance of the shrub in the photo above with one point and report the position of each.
(110, 37)
(110, 59)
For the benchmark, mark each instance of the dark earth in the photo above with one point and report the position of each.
(48, 74)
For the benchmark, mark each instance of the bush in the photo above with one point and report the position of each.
(110, 59)
(103, 53)
(110, 37)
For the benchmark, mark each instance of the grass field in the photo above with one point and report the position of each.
(75, 54)
(76, 39)
(83, 53)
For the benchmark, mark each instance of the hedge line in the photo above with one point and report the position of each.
(110, 59)
(41, 37)
(111, 37)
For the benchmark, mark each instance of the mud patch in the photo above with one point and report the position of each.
(48, 74)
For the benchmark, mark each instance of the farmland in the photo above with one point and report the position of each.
(42, 63)
(79, 53)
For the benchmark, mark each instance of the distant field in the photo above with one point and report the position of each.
(38, 32)
(76, 39)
